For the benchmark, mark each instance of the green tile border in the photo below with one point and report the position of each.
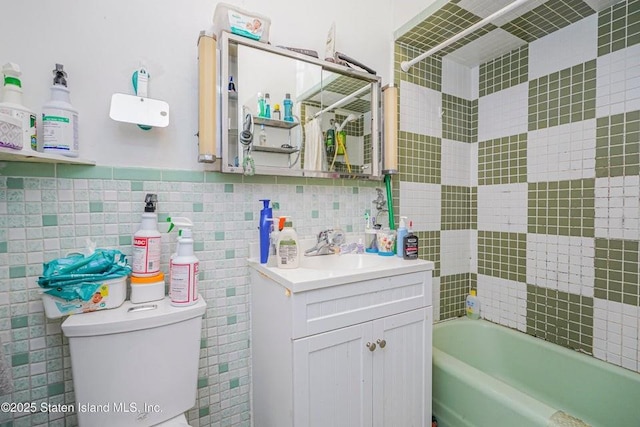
(84, 171)
(182, 176)
(137, 174)
(42, 170)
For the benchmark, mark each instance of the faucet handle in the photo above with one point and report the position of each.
(324, 236)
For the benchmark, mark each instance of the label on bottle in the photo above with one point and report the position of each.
(183, 285)
(60, 130)
(146, 255)
(288, 251)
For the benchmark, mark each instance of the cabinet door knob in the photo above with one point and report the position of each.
(381, 343)
(371, 346)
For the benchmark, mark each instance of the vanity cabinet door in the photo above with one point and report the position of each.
(332, 378)
(402, 369)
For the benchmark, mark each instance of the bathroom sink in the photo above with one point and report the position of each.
(322, 271)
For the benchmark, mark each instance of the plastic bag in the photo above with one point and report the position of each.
(78, 276)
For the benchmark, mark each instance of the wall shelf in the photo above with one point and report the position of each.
(268, 149)
(274, 123)
(7, 154)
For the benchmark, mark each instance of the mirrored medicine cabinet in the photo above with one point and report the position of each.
(331, 127)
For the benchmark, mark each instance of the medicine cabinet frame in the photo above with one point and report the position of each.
(364, 92)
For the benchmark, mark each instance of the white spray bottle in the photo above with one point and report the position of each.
(19, 123)
(60, 119)
(184, 266)
(146, 241)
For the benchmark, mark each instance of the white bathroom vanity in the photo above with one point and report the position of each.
(342, 341)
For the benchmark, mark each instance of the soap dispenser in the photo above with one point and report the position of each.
(265, 230)
(402, 232)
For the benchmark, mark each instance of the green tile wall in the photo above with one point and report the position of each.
(617, 271)
(501, 73)
(560, 317)
(619, 27)
(459, 119)
(618, 145)
(427, 73)
(562, 207)
(503, 160)
(563, 97)
(453, 292)
(419, 157)
(457, 212)
(502, 255)
(429, 248)
(547, 18)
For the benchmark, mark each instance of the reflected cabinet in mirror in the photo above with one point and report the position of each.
(292, 114)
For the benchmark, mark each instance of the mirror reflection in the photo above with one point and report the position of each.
(292, 115)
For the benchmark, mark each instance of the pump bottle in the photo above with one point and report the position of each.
(19, 123)
(60, 119)
(146, 241)
(288, 248)
(184, 267)
(402, 232)
(265, 230)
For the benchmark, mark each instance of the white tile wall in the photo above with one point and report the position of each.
(420, 110)
(562, 263)
(456, 79)
(617, 207)
(564, 48)
(502, 208)
(487, 47)
(435, 294)
(616, 329)
(564, 152)
(503, 301)
(456, 161)
(503, 113)
(618, 82)
(455, 252)
(421, 203)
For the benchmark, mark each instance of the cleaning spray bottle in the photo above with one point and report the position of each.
(60, 119)
(18, 128)
(402, 232)
(184, 266)
(265, 230)
(146, 241)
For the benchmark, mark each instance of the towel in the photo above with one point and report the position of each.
(6, 382)
(314, 155)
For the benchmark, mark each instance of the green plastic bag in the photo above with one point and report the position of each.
(78, 277)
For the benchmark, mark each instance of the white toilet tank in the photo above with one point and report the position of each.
(136, 365)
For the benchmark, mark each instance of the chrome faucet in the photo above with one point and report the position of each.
(328, 241)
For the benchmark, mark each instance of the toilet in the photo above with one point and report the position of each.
(135, 365)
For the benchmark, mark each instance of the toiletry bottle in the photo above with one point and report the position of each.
(13, 112)
(410, 244)
(402, 232)
(183, 282)
(267, 106)
(472, 305)
(278, 226)
(276, 112)
(146, 241)
(371, 244)
(288, 248)
(265, 230)
(262, 136)
(60, 119)
(261, 105)
(288, 108)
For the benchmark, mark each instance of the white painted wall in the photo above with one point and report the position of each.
(100, 44)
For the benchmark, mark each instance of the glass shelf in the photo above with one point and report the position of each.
(27, 155)
(268, 149)
(274, 123)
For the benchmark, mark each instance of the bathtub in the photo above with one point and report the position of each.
(487, 375)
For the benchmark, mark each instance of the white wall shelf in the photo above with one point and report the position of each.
(7, 154)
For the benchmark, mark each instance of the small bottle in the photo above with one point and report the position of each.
(288, 108)
(262, 136)
(276, 112)
(402, 233)
(185, 266)
(410, 244)
(261, 105)
(267, 106)
(60, 118)
(472, 305)
(288, 248)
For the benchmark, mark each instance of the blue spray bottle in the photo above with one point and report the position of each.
(265, 230)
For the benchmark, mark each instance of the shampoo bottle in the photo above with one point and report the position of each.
(472, 305)
(60, 119)
(288, 248)
(402, 233)
(410, 244)
(146, 241)
(183, 283)
(18, 129)
(265, 230)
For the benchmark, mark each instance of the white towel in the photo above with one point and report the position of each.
(6, 382)
(314, 155)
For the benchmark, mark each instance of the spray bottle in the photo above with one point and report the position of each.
(60, 119)
(146, 241)
(19, 123)
(184, 266)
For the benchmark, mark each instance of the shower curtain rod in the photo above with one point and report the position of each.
(405, 65)
(343, 100)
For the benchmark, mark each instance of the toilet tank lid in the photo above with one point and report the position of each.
(130, 317)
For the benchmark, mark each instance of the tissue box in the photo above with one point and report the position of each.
(110, 294)
(231, 18)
